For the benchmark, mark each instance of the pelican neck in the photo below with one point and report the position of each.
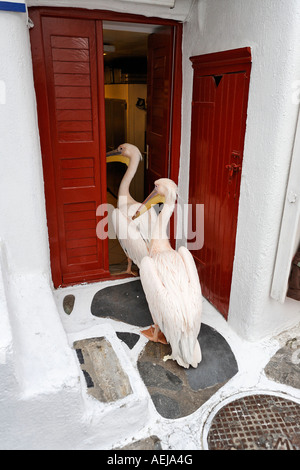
(160, 240)
(127, 178)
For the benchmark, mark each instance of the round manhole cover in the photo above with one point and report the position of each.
(256, 422)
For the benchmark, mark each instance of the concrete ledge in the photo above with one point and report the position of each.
(5, 330)
(43, 360)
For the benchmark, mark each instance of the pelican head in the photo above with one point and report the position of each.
(165, 191)
(124, 153)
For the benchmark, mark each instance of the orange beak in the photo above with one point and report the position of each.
(153, 199)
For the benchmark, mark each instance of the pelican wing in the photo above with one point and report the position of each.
(165, 311)
(130, 237)
(194, 285)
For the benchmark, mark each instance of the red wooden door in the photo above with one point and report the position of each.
(70, 98)
(219, 110)
(159, 90)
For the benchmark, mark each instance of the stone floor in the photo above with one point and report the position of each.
(175, 391)
(241, 396)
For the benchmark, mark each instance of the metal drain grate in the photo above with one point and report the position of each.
(256, 422)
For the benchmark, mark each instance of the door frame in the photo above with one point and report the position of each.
(36, 13)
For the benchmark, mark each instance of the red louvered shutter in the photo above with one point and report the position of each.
(75, 142)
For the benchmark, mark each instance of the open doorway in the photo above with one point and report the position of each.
(67, 55)
(125, 53)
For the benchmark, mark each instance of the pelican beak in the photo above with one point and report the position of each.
(151, 200)
(116, 156)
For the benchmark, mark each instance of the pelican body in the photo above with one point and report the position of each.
(134, 236)
(171, 284)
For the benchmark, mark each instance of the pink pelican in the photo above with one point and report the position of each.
(134, 236)
(171, 284)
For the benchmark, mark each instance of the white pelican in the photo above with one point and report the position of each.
(134, 236)
(171, 284)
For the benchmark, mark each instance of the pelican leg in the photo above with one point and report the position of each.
(129, 266)
(155, 335)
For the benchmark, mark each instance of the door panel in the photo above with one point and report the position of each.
(116, 126)
(217, 139)
(69, 51)
(159, 87)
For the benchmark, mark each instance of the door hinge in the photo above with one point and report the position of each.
(30, 23)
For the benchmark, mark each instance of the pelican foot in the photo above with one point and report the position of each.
(128, 272)
(155, 335)
(131, 272)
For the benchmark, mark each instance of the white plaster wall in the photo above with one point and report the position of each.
(38, 373)
(272, 31)
(179, 12)
(22, 205)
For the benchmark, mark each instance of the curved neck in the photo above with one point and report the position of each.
(160, 240)
(127, 178)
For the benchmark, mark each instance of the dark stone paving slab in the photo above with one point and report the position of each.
(284, 366)
(105, 378)
(124, 302)
(218, 363)
(128, 338)
(68, 303)
(150, 443)
(256, 422)
(178, 392)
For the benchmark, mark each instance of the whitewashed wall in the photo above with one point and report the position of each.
(179, 12)
(22, 206)
(272, 31)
